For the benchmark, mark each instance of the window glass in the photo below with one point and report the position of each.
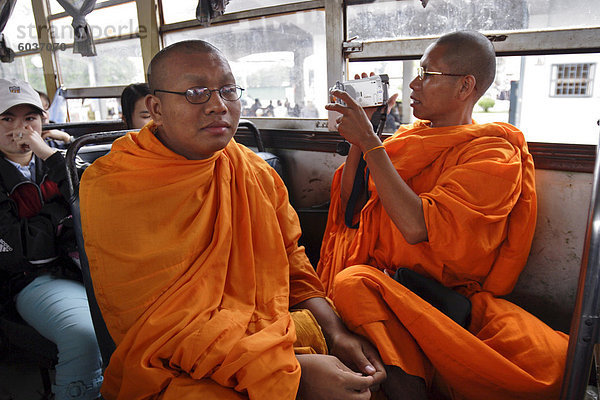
(544, 117)
(56, 8)
(118, 63)
(407, 19)
(277, 60)
(185, 10)
(82, 110)
(522, 94)
(27, 68)
(235, 6)
(106, 22)
(20, 28)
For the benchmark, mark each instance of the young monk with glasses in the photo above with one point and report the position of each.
(193, 250)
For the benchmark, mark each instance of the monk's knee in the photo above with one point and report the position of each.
(352, 278)
(357, 295)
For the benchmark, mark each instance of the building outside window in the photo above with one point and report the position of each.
(570, 80)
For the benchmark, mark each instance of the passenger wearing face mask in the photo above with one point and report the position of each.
(38, 254)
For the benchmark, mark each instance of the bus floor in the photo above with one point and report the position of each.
(20, 377)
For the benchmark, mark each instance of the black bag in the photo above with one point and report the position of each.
(453, 304)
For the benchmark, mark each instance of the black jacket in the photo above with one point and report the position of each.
(36, 229)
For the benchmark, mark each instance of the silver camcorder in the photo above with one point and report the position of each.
(368, 92)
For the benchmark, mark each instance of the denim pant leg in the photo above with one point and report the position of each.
(58, 309)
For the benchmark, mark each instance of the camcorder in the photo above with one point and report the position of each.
(367, 92)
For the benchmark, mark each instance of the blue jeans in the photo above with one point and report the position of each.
(58, 309)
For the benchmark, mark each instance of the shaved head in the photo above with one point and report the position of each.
(157, 70)
(470, 53)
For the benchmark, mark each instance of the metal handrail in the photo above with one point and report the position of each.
(585, 321)
(257, 136)
(95, 138)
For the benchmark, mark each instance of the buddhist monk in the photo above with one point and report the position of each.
(193, 250)
(454, 201)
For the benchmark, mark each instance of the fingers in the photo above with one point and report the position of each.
(362, 363)
(364, 75)
(346, 98)
(358, 383)
(391, 101)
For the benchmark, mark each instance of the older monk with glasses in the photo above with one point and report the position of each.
(442, 228)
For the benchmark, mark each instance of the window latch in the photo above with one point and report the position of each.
(496, 38)
(350, 46)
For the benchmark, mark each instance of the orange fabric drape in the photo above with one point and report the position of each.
(195, 264)
(477, 187)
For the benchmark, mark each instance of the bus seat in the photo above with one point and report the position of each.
(271, 159)
(16, 333)
(90, 153)
(105, 341)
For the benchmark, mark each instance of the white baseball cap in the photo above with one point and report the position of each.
(14, 92)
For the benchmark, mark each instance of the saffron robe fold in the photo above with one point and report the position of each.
(477, 187)
(195, 264)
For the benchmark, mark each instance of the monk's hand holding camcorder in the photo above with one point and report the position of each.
(353, 124)
(365, 97)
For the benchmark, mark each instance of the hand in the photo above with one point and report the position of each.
(327, 378)
(27, 138)
(355, 122)
(57, 135)
(359, 354)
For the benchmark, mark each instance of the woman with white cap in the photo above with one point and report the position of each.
(38, 268)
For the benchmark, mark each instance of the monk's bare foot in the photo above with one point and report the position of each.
(401, 386)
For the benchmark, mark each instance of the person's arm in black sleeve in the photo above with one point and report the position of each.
(57, 173)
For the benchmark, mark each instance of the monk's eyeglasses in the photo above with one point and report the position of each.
(199, 94)
(422, 73)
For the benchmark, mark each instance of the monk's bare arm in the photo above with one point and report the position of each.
(354, 155)
(330, 323)
(353, 350)
(401, 203)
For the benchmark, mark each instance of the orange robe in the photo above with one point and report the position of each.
(477, 187)
(195, 264)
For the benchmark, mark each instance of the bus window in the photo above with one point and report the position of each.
(117, 63)
(535, 93)
(108, 22)
(22, 38)
(185, 9)
(280, 61)
(93, 109)
(27, 68)
(408, 19)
